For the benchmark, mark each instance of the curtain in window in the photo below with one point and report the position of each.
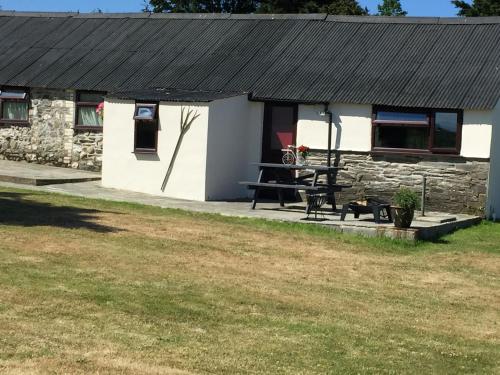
(87, 116)
(15, 111)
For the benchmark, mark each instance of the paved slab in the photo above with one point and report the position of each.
(36, 174)
(425, 229)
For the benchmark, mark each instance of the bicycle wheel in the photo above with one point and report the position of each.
(288, 158)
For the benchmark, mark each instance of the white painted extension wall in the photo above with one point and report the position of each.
(493, 202)
(123, 169)
(352, 129)
(234, 142)
(214, 155)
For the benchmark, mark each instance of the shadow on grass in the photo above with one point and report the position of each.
(15, 209)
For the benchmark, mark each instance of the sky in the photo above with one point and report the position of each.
(439, 8)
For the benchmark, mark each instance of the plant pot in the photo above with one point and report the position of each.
(402, 217)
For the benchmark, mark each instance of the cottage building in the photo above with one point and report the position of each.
(408, 97)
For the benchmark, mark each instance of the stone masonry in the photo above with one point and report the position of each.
(51, 139)
(454, 184)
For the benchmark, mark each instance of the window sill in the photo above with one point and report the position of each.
(144, 151)
(410, 152)
(98, 129)
(10, 123)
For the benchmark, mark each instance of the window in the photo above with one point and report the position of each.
(86, 109)
(420, 131)
(14, 106)
(145, 112)
(146, 128)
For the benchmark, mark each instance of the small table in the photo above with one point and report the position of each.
(297, 183)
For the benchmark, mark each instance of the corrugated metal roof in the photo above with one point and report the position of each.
(173, 95)
(405, 61)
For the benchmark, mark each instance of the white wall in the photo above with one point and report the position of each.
(218, 150)
(351, 127)
(234, 142)
(124, 169)
(493, 201)
(476, 134)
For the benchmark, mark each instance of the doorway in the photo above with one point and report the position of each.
(280, 129)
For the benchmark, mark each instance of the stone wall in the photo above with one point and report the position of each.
(87, 150)
(51, 139)
(454, 184)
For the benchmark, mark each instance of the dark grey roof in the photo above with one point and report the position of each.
(425, 62)
(172, 95)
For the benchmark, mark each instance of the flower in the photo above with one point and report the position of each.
(100, 110)
(303, 151)
(100, 107)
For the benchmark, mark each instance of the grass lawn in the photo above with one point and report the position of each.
(90, 286)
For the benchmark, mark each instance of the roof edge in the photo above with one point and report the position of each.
(250, 16)
(303, 16)
(415, 20)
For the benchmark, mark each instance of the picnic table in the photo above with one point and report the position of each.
(308, 182)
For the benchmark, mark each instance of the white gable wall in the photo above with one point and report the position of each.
(123, 169)
(493, 202)
(234, 142)
(187, 180)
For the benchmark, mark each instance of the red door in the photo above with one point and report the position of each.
(280, 127)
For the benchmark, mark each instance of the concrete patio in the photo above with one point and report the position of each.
(63, 180)
(36, 174)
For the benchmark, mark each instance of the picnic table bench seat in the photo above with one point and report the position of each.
(253, 185)
(308, 182)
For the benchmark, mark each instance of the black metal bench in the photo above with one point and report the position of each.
(307, 182)
(373, 206)
(279, 187)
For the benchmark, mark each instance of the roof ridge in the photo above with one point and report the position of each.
(301, 16)
(251, 16)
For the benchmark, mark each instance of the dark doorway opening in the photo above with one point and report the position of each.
(280, 130)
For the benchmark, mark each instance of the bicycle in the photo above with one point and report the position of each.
(291, 156)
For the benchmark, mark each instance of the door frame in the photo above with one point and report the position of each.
(266, 131)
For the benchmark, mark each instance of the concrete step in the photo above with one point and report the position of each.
(438, 219)
(40, 181)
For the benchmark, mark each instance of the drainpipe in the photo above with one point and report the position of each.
(329, 113)
(424, 188)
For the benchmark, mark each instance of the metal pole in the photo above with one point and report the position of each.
(424, 188)
(329, 151)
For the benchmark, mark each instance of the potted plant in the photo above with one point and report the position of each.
(405, 202)
(302, 154)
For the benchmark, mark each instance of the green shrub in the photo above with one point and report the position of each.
(407, 199)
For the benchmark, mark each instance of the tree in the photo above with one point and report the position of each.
(478, 8)
(200, 6)
(280, 6)
(345, 7)
(391, 8)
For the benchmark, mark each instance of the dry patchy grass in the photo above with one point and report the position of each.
(97, 287)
